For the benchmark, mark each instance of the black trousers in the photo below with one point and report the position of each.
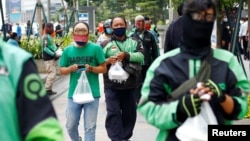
(121, 113)
(245, 44)
(141, 81)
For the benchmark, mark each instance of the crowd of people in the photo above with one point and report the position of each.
(166, 89)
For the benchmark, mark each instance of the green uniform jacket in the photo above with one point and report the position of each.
(133, 53)
(26, 111)
(171, 69)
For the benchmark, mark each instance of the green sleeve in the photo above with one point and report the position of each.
(100, 56)
(136, 53)
(161, 115)
(52, 45)
(48, 130)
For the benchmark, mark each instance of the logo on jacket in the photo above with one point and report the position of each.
(113, 48)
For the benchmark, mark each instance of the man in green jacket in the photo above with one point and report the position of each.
(226, 84)
(26, 111)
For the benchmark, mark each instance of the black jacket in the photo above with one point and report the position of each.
(150, 47)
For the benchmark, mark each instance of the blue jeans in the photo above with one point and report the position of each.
(73, 114)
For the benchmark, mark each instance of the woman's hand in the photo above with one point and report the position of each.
(112, 60)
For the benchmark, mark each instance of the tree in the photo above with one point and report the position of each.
(65, 11)
(157, 10)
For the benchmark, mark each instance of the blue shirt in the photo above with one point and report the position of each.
(18, 31)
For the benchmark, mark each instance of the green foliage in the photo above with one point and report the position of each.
(65, 40)
(160, 22)
(69, 2)
(155, 9)
(34, 44)
(93, 38)
(176, 3)
(248, 113)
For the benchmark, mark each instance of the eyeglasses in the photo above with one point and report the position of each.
(200, 17)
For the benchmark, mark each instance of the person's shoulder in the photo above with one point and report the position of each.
(132, 32)
(227, 55)
(245, 24)
(92, 44)
(169, 54)
(12, 49)
(49, 36)
(152, 32)
(179, 20)
(132, 40)
(101, 35)
(11, 41)
(70, 46)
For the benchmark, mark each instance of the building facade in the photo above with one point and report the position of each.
(23, 10)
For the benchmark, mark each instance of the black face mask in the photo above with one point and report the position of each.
(119, 32)
(196, 34)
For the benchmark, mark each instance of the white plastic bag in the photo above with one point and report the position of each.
(83, 93)
(59, 52)
(196, 128)
(117, 73)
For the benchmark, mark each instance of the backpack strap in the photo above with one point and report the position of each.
(203, 75)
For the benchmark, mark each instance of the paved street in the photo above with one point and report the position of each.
(142, 131)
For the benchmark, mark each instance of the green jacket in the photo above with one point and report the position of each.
(49, 47)
(133, 53)
(26, 115)
(173, 68)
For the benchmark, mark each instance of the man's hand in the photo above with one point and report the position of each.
(189, 106)
(121, 56)
(216, 90)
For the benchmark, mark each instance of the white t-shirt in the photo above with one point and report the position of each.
(243, 29)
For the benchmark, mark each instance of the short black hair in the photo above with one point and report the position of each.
(146, 18)
(193, 6)
(13, 35)
(120, 18)
(49, 25)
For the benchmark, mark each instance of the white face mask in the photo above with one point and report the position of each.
(225, 19)
(241, 22)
